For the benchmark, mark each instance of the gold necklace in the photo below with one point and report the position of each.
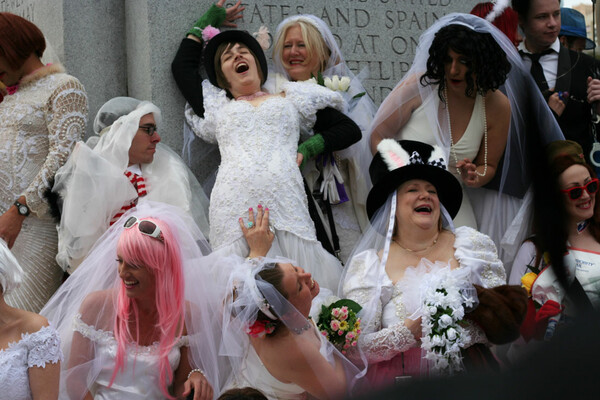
(418, 251)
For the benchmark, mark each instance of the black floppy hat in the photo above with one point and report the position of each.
(399, 161)
(232, 36)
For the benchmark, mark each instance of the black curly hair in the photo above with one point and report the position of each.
(487, 63)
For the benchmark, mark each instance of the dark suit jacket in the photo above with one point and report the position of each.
(572, 72)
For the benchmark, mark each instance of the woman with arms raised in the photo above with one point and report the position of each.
(257, 134)
(332, 130)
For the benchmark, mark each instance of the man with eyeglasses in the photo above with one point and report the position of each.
(112, 173)
(564, 76)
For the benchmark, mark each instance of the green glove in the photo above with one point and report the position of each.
(215, 16)
(311, 148)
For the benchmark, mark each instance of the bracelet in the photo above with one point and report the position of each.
(196, 370)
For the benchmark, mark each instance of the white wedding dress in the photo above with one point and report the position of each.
(258, 146)
(33, 350)
(253, 373)
(139, 378)
(386, 336)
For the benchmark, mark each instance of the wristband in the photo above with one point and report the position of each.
(215, 16)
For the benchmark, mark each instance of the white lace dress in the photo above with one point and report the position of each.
(139, 378)
(40, 124)
(33, 350)
(258, 147)
(385, 336)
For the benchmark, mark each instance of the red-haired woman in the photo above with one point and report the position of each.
(43, 115)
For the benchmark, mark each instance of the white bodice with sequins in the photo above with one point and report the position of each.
(385, 334)
(33, 350)
(258, 147)
(139, 378)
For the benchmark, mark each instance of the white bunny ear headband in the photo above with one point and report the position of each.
(395, 156)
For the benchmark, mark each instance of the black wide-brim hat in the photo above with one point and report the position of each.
(387, 178)
(233, 36)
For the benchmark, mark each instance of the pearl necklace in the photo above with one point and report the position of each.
(485, 136)
(418, 251)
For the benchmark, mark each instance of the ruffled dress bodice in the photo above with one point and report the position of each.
(258, 147)
(139, 378)
(386, 305)
(33, 350)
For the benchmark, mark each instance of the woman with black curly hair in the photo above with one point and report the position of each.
(465, 68)
(466, 92)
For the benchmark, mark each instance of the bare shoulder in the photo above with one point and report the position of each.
(95, 303)
(31, 322)
(497, 101)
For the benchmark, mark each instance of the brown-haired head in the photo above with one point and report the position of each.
(19, 39)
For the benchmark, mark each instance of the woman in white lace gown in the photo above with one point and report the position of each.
(405, 252)
(134, 317)
(41, 121)
(30, 352)
(257, 134)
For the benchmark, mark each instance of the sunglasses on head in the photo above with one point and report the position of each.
(576, 192)
(145, 226)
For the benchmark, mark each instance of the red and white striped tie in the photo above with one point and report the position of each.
(139, 184)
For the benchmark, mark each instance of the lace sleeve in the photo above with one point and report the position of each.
(44, 347)
(476, 334)
(362, 285)
(386, 343)
(205, 127)
(66, 119)
(308, 98)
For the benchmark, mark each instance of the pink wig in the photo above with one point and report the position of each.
(507, 22)
(163, 260)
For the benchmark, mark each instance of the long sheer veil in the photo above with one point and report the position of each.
(247, 293)
(512, 179)
(96, 282)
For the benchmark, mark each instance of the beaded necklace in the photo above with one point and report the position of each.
(485, 136)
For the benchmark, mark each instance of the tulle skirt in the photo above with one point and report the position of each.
(308, 254)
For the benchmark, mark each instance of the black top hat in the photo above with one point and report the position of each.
(233, 36)
(399, 161)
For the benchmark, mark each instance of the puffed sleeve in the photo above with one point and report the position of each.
(44, 347)
(214, 101)
(66, 116)
(308, 98)
(362, 284)
(477, 251)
